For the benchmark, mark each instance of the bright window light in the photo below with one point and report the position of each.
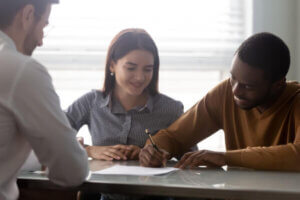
(196, 40)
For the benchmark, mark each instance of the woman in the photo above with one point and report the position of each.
(129, 102)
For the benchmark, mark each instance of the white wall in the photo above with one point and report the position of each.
(281, 18)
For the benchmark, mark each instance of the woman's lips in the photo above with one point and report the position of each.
(137, 85)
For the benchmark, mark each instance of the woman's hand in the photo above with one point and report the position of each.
(133, 152)
(115, 152)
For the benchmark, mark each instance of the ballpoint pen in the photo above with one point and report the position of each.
(151, 140)
(154, 146)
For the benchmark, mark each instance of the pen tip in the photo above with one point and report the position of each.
(147, 131)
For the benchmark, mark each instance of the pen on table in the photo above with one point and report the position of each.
(151, 140)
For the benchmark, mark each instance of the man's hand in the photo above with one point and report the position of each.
(116, 152)
(150, 157)
(81, 141)
(201, 158)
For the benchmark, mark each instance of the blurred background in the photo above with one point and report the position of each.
(196, 40)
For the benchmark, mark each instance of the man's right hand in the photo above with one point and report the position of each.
(150, 157)
(116, 152)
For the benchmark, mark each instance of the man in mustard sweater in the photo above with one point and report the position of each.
(256, 107)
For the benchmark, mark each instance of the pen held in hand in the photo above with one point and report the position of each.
(154, 146)
(151, 140)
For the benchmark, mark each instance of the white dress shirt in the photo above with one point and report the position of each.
(31, 118)
(31, 163)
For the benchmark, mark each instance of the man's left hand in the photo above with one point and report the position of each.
(201, 158)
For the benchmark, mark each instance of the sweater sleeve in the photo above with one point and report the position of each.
(199, 122)
(281, 157)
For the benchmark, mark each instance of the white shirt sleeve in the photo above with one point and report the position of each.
(39, 117)
(31, 163)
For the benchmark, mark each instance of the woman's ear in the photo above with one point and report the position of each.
(112, 67)
(27, 17)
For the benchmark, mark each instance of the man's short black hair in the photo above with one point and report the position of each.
(267, 52)
(9, 9)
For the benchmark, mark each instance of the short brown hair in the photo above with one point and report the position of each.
(9, 9)
(124, 42)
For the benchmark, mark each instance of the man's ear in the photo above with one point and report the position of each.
(27, 17)
(279, 84)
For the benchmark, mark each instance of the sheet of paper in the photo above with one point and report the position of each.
(135, 170)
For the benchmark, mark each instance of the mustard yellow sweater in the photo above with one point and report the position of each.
(267, 141)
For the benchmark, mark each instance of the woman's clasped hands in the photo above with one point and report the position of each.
(114, 152)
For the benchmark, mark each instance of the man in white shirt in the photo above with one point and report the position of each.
(30, 113)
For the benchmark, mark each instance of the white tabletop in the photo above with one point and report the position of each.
(233, 183)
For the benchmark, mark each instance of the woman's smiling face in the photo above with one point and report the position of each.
(133, 72)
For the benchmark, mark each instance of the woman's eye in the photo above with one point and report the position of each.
(148, 69)
(130, 69)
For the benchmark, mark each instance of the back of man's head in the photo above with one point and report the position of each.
(9, 9)
(267, 52)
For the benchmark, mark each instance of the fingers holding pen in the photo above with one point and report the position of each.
(150, 157)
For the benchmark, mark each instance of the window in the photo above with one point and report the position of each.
(196, 41)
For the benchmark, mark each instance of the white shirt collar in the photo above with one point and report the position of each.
(6, 42)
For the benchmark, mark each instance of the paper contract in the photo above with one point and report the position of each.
(135, 170)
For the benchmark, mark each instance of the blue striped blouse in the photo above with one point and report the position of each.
(110, 124)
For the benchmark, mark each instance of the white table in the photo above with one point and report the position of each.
(233, 183)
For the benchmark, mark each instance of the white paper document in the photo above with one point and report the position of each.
(135, 170)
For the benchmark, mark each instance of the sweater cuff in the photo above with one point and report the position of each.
(233, 158)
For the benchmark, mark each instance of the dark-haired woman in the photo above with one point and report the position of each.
(129, 102)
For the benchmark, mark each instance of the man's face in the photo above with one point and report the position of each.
(35, 36)
(249, 85)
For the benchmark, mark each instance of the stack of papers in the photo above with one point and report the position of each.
(135, 170)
